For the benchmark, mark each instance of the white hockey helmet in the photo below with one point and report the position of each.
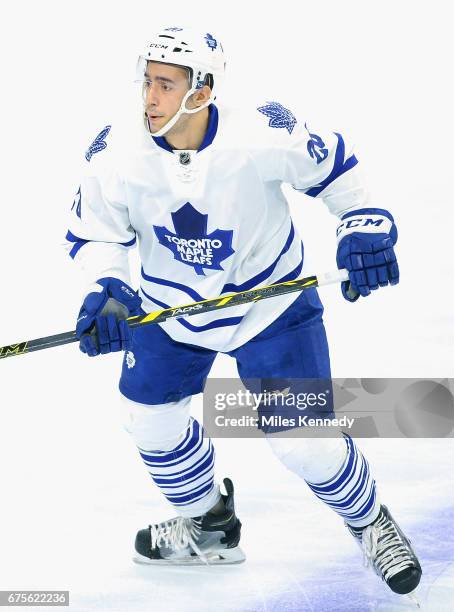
(200, 52)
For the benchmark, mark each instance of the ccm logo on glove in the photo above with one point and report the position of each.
(127, 291)
(371, 223)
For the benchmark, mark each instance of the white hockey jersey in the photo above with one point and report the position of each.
(212, 221)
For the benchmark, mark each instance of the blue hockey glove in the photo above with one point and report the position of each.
(366, 238)
(101, 326)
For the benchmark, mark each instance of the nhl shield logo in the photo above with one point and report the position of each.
(185, 158)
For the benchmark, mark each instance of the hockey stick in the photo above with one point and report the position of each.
(158, 316)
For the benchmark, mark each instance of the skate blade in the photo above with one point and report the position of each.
(227, 556)
(412, 597)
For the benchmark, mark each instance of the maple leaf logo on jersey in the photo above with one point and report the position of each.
(98, 143)
(130, 359)
(280, 117)
(191, 245)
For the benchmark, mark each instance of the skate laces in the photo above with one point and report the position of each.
(177, 534)
(385, 549)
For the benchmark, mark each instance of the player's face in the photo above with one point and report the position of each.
(164, 89)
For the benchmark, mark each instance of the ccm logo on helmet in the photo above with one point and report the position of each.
(158, 46)
(359, 222)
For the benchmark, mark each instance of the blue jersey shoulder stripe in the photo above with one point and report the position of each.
(79, 243)
(340, 167)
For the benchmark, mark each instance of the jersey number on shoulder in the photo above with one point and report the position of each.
(77, 204)
(316, 147)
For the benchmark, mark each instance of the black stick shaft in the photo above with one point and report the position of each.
(158, 316)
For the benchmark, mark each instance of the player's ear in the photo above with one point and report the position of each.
(201, 96)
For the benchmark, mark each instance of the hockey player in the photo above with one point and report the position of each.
(199, 189)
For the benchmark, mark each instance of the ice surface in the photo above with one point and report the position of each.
(76, 492)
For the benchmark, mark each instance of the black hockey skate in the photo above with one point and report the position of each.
(204, 540)
(386, 548)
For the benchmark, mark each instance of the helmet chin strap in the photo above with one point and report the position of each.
(180, 111)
